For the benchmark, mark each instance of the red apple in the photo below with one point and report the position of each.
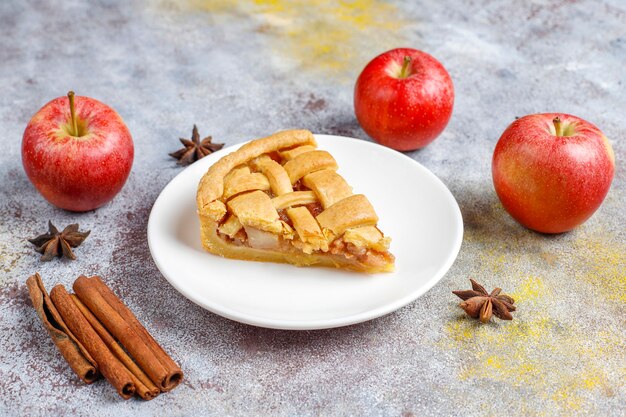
(77, 152)
(552, 171)
(403, 99)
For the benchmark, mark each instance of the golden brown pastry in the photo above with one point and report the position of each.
(280, 199)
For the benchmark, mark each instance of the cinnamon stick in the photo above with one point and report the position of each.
(174, 373)
(72, 350)
(112, 369)
(125, 327)
(144, 387)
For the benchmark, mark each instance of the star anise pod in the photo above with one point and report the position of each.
(195, 148)
(478, 303)
(55, 243)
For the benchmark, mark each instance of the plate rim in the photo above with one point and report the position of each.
(286, 324)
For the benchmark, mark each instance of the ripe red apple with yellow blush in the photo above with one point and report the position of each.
(552, 171)
(77, 152)
(403, 99)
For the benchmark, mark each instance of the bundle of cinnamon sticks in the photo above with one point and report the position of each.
(98, 335)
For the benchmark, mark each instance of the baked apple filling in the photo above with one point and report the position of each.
(280, 199)
(364, 245)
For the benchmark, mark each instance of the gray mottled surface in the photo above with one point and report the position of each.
(244, 71)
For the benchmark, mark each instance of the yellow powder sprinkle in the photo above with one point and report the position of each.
(532, 288)
(552, 361)
(337, 37)
(603, 265)
(8, 258)
(547, 350)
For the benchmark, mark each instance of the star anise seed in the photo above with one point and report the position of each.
(480, 304)
(500, 310)
(55, 243)
(486, 311)
(195, 148)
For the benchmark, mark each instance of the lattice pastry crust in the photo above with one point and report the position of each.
(280, 199)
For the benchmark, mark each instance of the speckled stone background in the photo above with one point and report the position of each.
(246, 70)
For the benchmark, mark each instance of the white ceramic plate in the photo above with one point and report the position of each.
(415, 209)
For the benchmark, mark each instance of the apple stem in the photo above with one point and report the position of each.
(557, 126)
(70, 95)
(405, 72)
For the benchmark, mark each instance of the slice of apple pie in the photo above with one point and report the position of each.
(280, 199)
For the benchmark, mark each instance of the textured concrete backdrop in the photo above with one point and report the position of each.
(247, 70)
